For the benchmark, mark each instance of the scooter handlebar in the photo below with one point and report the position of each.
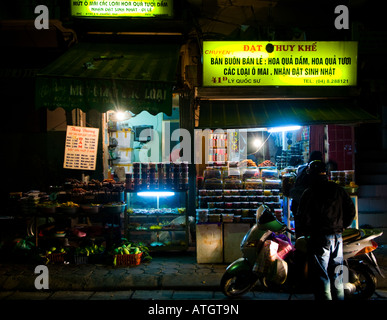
(289, 230)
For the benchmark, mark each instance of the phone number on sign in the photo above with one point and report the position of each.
(332, 81)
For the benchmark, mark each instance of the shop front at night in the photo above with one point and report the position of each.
(138, 80)
(119, 95)
(129, 88)
(259, 135)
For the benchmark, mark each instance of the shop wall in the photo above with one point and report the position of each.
(145, 118)
(317, 142)
(33, 161)
(341, 146)
(337, 142)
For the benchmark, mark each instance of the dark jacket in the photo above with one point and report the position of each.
(325, 208)
(300, 185)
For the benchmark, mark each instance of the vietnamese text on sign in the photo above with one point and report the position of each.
(81, 148)
(122, 8)
(239, 63)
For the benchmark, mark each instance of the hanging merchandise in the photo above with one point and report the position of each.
(121, 149)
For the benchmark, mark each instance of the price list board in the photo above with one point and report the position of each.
(81, 148)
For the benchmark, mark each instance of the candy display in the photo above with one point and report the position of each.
(235, 198)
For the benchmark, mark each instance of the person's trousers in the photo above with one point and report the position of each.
(327, 266)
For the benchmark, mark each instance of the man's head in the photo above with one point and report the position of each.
(316, 155)
(317, 168)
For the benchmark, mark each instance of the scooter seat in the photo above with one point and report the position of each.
(351, 234)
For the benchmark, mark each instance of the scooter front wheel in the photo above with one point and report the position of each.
(236, 285)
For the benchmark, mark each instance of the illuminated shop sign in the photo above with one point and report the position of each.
(279, 63)
(122, 8)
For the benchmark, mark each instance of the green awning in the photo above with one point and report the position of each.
(272, 113)
(110, 76)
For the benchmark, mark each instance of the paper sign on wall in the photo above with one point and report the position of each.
(81, 148)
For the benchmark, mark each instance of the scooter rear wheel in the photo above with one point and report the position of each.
(235, 285)
(363, 278)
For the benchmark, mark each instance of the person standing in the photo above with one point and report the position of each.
(301, 184)
(325, 209)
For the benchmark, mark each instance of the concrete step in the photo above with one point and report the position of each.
(370, 191)
(372, 207)
(382, 240)
(369, 179)
(370, 154)
(372, 204)
(374, 219)
(374, 167)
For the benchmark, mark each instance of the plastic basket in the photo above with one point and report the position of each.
(56, 257)
(128, 259)
(81, 259)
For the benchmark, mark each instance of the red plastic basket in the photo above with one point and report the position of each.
(56, 257)
(128, 259)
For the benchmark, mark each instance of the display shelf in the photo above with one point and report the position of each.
(158, 219)
(63, 221)
(233, 194)
(217, 147)
(236, 204)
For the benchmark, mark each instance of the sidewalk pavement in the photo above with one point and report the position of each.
(167, 272)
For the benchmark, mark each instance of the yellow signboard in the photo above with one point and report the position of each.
(279, 63)
(122, 8)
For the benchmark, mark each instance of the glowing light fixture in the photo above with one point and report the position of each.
(257, 143)
(287, 128)
(155, 194)
(120, 115)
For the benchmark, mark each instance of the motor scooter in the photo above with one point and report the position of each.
(289, 271)
(359, 279)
